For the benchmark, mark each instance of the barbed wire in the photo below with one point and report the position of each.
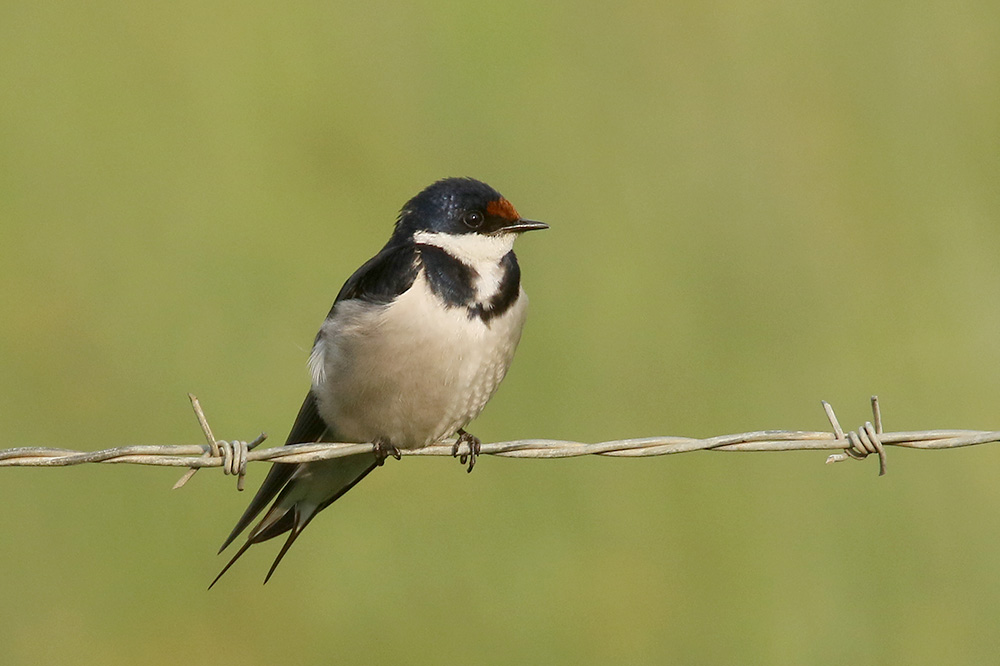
(233, 456)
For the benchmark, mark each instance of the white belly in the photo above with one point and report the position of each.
(412, 372)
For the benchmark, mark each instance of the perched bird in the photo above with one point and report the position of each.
(416, 343)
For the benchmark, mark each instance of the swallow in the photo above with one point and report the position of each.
(416, 343)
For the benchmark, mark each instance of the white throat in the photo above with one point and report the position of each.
(482, 253)
(475, 250)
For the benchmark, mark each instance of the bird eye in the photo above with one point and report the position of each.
(473, 219)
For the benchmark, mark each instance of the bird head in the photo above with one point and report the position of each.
(461, 206)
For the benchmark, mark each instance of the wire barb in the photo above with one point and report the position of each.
(861, 443)
(233, 454)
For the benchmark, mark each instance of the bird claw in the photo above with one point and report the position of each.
(384, 449)
(475, 446)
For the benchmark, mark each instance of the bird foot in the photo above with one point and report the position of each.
(474, 448)
(384, 449)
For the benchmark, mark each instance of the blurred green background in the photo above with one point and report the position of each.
(754, 206)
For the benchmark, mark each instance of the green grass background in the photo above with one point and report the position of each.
(754, 206)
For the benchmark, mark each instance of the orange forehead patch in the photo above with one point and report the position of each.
(502, 208)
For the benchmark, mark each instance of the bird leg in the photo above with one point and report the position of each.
(384, 449)
(475, 446)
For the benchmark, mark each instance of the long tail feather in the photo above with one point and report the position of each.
(277, 478)
(231, 562)
(308, 490)
(293, 534)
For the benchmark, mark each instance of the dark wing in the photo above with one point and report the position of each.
(308, 427)
(383, 277)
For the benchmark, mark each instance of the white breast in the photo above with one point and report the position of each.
(412, 372)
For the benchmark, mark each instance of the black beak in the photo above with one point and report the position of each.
(523, 225)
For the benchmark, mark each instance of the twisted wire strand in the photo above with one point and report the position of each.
(233, 456)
